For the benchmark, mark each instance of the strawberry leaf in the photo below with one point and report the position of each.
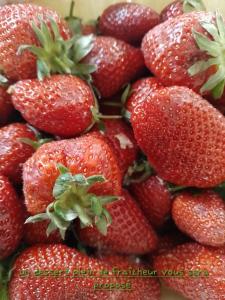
(193, 5)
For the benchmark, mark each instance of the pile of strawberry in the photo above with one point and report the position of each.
(112, 148)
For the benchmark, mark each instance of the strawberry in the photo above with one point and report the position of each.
(195, 271)
(13, 152)
(113, 59)
(190, 155)
(121, 139)
(6, 107)
(154, 198)
(127, 21)
(201, 216)
(11, 218)
(61, 264)
(60, 105)
(129, 233)
(16, 23)
(179, 7)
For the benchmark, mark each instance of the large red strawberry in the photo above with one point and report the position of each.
(6, 107)
(16, 23)
(12, 216)
(13, 152)
(54, 273)
(154, 198)
(60, 105)
(195, 271)
(201, 216)
(129, 232)
(121, 138)
(128, 21)
(181, 133)
(179, 7)
(117, 64)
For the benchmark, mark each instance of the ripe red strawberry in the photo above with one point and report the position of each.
(6, 107)
(16, 30)
(129, 232)
(11, 218)
(60, 105)
(121, 139)
(128, 21)
(179, 7)
(13, 152)
(66, 284)
(195, 271)
(139, 91)
(201, 216)
(154, 198)
(180, 133)
(117, 64)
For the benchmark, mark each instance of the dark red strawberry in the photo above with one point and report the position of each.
(117, 64)
(180, 132)
(195, 271)
(13, 152)
(12, 215)
(154, 198)
(6, 107)
(179, 7)
(16, 30)
(201, 216)
(61, 264)
(129, 232)
(128, 21)
(60, 105)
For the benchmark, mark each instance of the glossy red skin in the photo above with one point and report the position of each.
(11, 218)
(128, 21)
(181, 134)
(140, 89)
(193, 257)
(89, 155)
(129, 233)
(35, 233)
(15, 30)
(60, 257)
(201, 216)
(172, 10)
(121, 138)
(14, 153)
(6, 106)
(60, 105)
(117, 64)
(154, 198)
(88, 29)
(170, 50)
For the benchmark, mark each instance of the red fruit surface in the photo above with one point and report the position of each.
(89, 155)
(117, 64)
(16, 30)
(128, 21)
(154, 199)
(60, 257)
(182, 135)
(170, 50)
(59, 105)
(172, 10)
(189, 259)
(12, 215)
(14, 153)
(140, 90)
(129, 233)
(121, 138)
(201, 216)
(6, 107)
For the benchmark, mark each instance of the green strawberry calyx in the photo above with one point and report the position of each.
(215, 49)
(75, 23)
(73, 200)
(193, 5)
(58, 56)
